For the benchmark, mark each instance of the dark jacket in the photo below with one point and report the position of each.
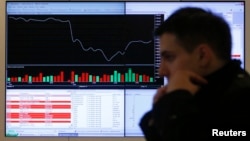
(222, 104)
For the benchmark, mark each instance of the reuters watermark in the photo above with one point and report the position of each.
(217, 132)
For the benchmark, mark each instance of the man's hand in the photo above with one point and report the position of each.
(185, 80)
(160, 92)
(181, 80)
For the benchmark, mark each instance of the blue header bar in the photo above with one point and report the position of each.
(65, 8)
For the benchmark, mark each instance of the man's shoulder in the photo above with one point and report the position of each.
(241, 81)
(240, 86)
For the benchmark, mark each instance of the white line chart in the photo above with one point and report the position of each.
(76, 40)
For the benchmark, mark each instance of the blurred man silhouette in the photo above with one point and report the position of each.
(206, 89)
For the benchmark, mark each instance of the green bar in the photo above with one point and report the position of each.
(44, 79)
(51, 78)
(30, 78)
(97, 78)
(47, 78)
(151, 79)
(115, 76)
(76, 78)
(140, 78)
(90, 78)
(111, 78)
(126, 77)
(129, 75)
(119, 77)
(19, 79)
(133, 77)
(8, 79)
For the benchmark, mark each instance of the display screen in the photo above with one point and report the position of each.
(90, 68)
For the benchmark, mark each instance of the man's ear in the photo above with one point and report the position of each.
(204, 54)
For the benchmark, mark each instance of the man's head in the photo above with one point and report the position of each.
(193, 39)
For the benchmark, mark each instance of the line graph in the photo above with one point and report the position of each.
(74, 40)
(81, 39)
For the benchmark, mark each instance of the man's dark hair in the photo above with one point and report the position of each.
(193, 26)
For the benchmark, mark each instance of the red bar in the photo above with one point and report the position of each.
(39, 115)
(61, 106)
(72, 76)
(16, 79)
(147, 78)
(15, 121)
(59, 101)
(136, 77)
(27, 106)
(37, 79)
(62, 76)
(100, 79)
(38, 121)
(144, 78)
(33, 115)
(13, 106)
(60, 115)
(52, 121)
(32, 121)
(23, 80)
(83, 77)
(64, 121)
(54, 79)
(87, 77)
(94, 78)
(104, 78)
(108, 78)
(122, 78)
(39, 106)
(33, 79)
(236, 55)
(40, 77)
(58, 78)
(26, 78)
(79, 79)
(39, 101)
(12, 115)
